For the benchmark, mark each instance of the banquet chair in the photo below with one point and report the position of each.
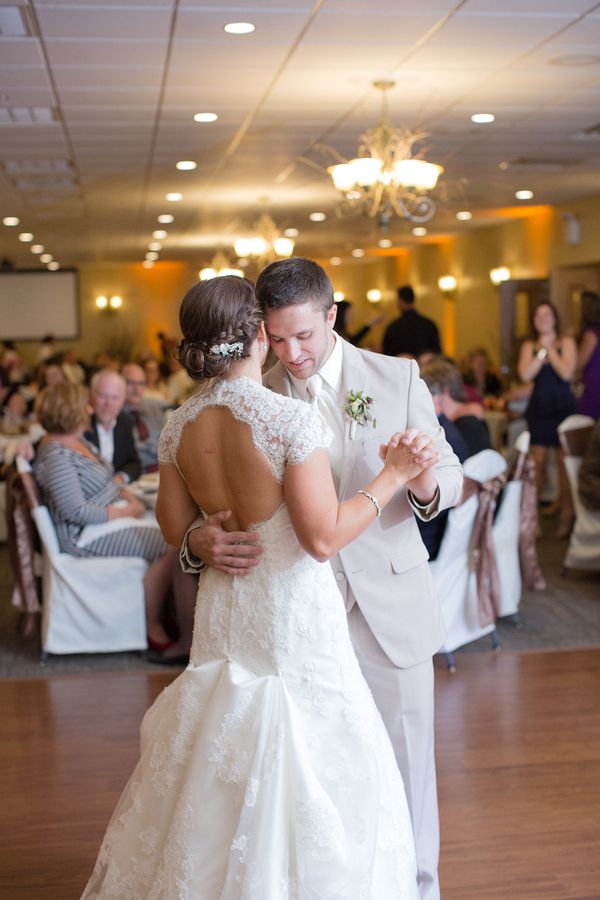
(584, 544)
(90, 605)
(454, 571)
(506, 535)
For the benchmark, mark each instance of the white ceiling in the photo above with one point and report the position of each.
(123, 79)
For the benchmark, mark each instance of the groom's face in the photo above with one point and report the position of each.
(301, 336)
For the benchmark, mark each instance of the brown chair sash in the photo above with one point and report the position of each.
(574, 441)
(22, 544)
(528, 525)
(482, 546)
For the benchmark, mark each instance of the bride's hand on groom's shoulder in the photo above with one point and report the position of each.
(232, 552)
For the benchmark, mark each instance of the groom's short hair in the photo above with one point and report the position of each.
(290, 282)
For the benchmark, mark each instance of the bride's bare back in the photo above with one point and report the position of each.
(223, 469)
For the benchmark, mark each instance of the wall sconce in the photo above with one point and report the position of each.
(374, 295)
(338, 296)
(103, 302)
(497, 276)
(447, 283)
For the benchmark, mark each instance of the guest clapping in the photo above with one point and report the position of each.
(548, 359)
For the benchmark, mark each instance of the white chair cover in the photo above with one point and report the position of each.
(91, 605)
(453, 570)
(584, 545)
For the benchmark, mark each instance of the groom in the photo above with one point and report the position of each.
(393, 614)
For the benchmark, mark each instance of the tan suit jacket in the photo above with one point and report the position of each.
(385, 569)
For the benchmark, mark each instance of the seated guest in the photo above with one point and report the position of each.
(111, 430)
(147, 415)
(445, 383)
(156, 386)
(81, 494)
(477, 373)
(589, 473)
(14, 412)
(72, 368)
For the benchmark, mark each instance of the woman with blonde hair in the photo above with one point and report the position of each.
(78, 488)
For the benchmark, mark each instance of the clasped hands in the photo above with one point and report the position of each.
(238, 552)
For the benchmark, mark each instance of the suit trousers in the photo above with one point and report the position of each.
(404, 698)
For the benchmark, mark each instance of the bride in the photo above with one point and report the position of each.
(266, 772)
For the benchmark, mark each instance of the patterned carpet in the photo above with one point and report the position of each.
(566, 615)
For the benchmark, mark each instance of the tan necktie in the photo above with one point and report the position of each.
(314, 386)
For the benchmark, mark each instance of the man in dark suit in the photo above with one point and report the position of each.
(111, 430)
(411, 334)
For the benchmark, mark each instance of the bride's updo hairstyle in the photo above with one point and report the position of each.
(219, 319)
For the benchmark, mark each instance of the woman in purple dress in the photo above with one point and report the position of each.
(588, 358)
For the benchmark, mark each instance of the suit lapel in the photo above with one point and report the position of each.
(277, 380)
(354, 378)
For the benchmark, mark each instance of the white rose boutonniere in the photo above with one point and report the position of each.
(357, 411)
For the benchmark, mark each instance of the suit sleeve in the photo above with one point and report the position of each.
(449, 474)
(126, 457)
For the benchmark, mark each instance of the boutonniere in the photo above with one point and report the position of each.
(357, 410)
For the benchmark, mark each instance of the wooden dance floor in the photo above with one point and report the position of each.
(518, 741)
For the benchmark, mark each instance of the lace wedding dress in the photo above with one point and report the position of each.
(266, 772)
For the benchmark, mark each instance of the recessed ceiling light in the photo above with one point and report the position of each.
(358, 253)
(159, 235)
(524, 195)
(317, 217)
(155, 245)
(186, 165)
(419, 231)
(483, 118)
(174, 197)
(53, 266)
(148, 263)
(291, 232)
(37, 248)
(464, 215)
(46, 258)
(384, 243)
(10, 221)
(335, 261)
(205, 117)
(151, 255)
(166, 219)
(238, 27)
(26, 236)
(576, 59)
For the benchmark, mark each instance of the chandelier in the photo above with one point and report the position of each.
(265, 243)
(386, 178)
(219, 265)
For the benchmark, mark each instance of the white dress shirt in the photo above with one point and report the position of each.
(106, 440)
(325, 396)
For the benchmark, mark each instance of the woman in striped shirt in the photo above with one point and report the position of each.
(95, 516)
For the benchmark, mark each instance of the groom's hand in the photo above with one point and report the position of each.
(232, 552)
(424, 485)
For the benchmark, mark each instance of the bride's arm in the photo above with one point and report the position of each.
(323, 525)
(175, 507)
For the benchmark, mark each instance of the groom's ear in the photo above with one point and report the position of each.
(331, 315)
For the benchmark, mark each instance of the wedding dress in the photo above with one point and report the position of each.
(266, 772)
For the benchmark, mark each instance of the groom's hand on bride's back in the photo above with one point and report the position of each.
(232, 552)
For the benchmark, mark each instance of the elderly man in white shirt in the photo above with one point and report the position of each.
(111, 429)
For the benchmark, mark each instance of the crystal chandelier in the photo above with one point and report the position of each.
(265, 243)
(386, 178)
(219, 265)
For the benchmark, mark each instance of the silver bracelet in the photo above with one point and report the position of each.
(374, 501)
